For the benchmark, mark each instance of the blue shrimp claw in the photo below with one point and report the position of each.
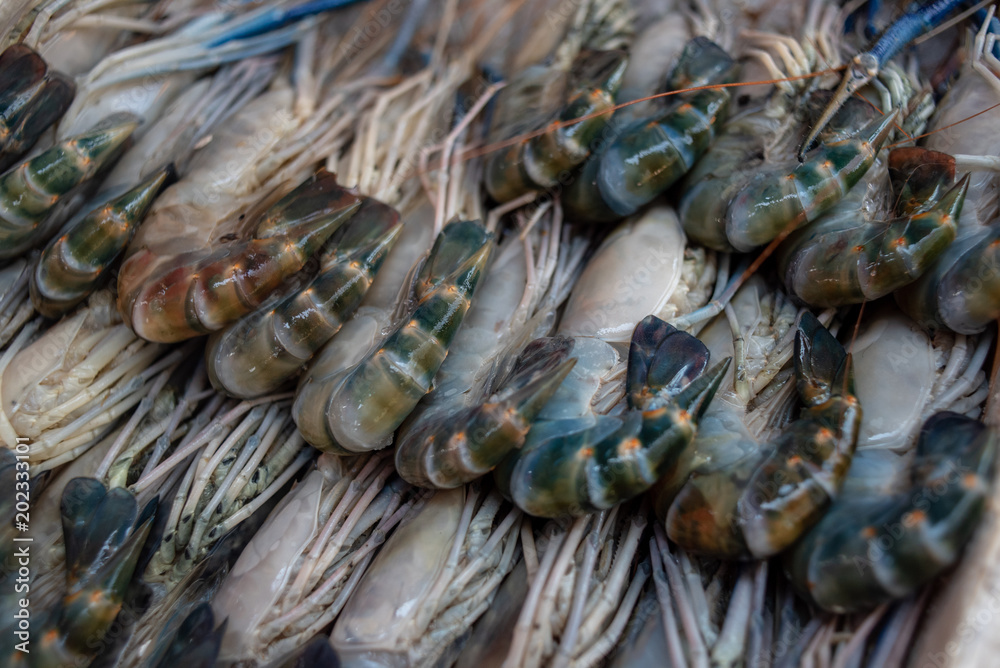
(276, 17)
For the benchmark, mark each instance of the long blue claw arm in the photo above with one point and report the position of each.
(911, 26)
(865, 66)
(276, 17)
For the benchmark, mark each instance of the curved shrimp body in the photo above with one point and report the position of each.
(467, 424)
(358, 409)
(961, 290)
(873, 548)
(30, 191)
(759, 504)
(652, 153)
(576, 465)
(277, 340)
(104, 532)
(448, 453)
(538, 163)
(71, 265)
(31, 99)
(838, 261)
(716, 179)
(196, 293)
(778, 202)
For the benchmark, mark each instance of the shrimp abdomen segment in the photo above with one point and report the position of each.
(776, 203)
(365, 408)
(871, 549)
(104, 532)
(30, 191)
(278, 339)
(193, 293)
(652, 153)
(579, 465)
(760, 504)
(870, 261)
(967, 294)
(72, 265)
(454, 449)
(539, 162)
(31, 99)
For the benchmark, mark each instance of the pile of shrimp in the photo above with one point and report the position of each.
(494, 332)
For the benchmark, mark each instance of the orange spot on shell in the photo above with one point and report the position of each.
(631, 445)
(868, 532)
(914, 517)
(585, 453)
